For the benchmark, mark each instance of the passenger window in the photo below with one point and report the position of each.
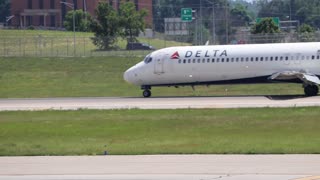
(208, 60)
(307, 57)
(189, 60)
(312, 57)
(184, 61)
(266, 58)
(251, 59)
(261, 58)
(271, 58)
(194, 60)
(287, 58)
(276, 58)
(257, 59)
(227, 59)
(218, 60)
(281, 58)
(203, 60)
(213, 60)
(222, 60)
(318, 57)
(179, 61)
(198, 60)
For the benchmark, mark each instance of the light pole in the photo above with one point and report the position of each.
(71, 5)
(85, 10)
(213, 23)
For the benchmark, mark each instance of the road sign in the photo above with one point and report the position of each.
(274, 19)
(186, 14)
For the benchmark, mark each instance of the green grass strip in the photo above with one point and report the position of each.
(188, 131)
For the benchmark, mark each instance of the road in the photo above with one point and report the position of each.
(157, 103)
(158, 167)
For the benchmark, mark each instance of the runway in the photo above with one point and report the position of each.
(157, 102)
(166, 167)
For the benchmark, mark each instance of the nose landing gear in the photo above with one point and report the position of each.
(146, 91)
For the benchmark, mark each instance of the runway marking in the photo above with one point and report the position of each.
(157, 103)
(310, 178)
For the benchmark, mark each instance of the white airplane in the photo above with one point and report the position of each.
(229, 64)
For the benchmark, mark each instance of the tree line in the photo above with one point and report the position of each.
(231, 14)
(109, 25)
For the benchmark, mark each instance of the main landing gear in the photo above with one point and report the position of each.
(146, 91)
(311, 90)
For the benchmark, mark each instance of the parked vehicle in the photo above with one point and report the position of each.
(139, 46)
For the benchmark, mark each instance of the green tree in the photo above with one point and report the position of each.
(267, 30)
(240, 16)
(82, 21)
(132, 21)
(305, 28)
(304, 11)
(166, 9)
(306, 33)
(106, 27)
(4, 10)
(266, 26)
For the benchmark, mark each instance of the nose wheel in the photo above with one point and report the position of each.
(146, 93)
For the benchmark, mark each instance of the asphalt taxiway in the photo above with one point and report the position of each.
(166, 167)
(157, 102)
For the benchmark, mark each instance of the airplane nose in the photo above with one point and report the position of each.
(126, 75)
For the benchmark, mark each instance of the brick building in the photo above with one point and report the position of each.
(51, 13)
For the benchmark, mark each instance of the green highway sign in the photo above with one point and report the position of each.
(186, 14)
(274, 19)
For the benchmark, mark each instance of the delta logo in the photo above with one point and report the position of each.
(175, 55)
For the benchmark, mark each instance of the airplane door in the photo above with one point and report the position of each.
(159, 64)
(297, 58)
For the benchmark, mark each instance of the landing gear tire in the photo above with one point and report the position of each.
(311, 90)
(146, 93)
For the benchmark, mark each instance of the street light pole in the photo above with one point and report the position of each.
(85, 10)
(213, 23)
(71, 5)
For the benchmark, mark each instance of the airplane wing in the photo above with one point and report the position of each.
(306, 78)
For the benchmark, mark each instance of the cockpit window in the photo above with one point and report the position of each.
(147, 59)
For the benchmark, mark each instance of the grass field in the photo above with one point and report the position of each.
(46, 43)
(102, 76)
(222, 131)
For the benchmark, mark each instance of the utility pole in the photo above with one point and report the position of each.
(201, 40)
(85, 10)
(227, 20)
(71, 5)
(213, 23)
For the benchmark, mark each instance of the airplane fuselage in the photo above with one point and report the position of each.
(254, 63)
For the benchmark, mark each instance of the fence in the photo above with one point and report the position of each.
(56, 46)
(60, 45)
